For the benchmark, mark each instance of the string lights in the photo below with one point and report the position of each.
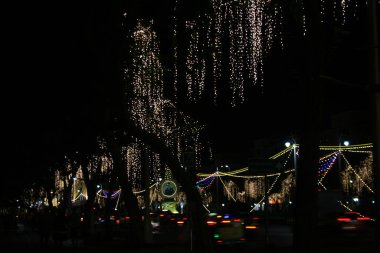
(254, 184)
(354, 178)
(246, 30)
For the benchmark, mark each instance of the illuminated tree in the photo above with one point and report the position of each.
(358, 178)
(140, 118)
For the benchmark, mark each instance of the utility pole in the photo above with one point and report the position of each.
(375, 97)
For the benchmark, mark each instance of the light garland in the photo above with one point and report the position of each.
(326, 165)
(268, 192)
(227, 189)
(347, 148)
(357, 176)
(206, 182)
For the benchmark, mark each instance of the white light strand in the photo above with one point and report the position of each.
(175, 67)
(247, 30)
(195, 63)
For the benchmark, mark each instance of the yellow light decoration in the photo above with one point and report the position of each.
(346, 148)
(228, 189)
(367, 169)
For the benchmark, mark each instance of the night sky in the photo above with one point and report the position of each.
(52, 72)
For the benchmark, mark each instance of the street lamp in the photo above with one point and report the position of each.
(345, 143)
(288, 144)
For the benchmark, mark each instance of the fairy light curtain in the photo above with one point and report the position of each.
(150, 110)
(244, 31)
(237, 35)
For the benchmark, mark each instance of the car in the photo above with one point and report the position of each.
(253, 222)
(226, 228)
(345, 221)
(353, 221)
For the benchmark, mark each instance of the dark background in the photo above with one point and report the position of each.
(53, 59)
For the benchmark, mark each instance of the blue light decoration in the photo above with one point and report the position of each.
(206, 183)
(104, 193)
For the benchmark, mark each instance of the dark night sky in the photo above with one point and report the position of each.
(50, 70)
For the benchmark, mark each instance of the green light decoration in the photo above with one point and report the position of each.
(169, 206)
(168, 189)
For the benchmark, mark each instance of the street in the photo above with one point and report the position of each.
(279, 239)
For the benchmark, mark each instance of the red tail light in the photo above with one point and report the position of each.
(364, 218)
(211, 223)
(343, 219)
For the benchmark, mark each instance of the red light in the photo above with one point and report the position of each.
(237, 220)
(363, 218)
(343, 219)
(211, 223)
(242, 239)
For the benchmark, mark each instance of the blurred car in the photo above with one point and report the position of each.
(226, 228)
(170, 227)
(252, 224)
(353, 221)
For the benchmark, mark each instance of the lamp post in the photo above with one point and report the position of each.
(287, 144)
(345, 143)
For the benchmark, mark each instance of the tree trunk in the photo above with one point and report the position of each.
(306, 199)
(146, 176)
(136, 232)
(203, 242)
(91, 195)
